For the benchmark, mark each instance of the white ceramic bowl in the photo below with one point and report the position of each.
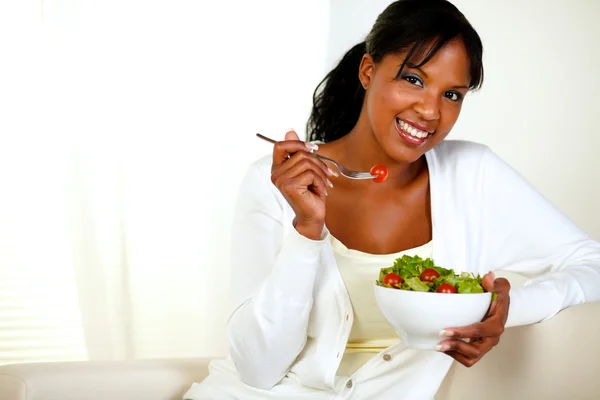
(418, 317)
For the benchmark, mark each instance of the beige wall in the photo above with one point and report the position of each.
(540, 102)
(156, 96)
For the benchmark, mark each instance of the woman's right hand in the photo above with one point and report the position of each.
(302, 179)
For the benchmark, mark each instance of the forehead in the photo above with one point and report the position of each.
(450, 62)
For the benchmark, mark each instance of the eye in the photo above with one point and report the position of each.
(413, 79)
(454, 96)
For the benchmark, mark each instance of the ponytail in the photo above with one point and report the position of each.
(419, 28)
(338, 99)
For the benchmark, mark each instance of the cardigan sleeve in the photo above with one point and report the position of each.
(272, 280)
(523, 232)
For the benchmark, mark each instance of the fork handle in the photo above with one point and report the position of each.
(263, 137)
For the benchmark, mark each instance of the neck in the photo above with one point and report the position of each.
(360, 150)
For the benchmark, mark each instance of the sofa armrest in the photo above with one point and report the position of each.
(119, 380)
(554, 359)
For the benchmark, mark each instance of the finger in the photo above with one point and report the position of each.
(493, 322)
(302, 155)
(502, 302)
(490, 327)
(282, 150)
(299, 167)
(493, 285)
(291, 135)
(470, 350)
(501, 286)
(469, 354)
(298, 158)
(488, 282)
(312, 181)
(461, 358)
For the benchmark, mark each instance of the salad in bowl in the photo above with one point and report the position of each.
(419, 299)
(416, 274)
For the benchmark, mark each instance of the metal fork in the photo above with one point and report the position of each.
(348, 173)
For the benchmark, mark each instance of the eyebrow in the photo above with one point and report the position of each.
(412, 66)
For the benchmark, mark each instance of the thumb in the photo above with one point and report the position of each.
(291, 135)
(488, 282)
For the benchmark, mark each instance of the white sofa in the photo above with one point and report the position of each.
(557, 359)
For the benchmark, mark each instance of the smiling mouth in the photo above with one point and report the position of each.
(411, 130)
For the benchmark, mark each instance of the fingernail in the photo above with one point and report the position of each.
(442, 347)
(329, 183)
(312, 146)
(446, 333)
(326, 194)
(291, 130)
(332, 172)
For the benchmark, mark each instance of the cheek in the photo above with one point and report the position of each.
(388, 101)
(449, 115)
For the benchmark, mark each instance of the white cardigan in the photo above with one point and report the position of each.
(292, 312)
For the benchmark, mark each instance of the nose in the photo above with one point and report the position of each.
(428, 107)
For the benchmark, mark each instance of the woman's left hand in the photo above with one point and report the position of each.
(484, 335)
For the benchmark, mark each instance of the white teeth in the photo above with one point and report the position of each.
(412, 130)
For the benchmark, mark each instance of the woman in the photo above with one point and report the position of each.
(308, 244)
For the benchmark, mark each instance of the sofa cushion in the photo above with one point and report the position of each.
(131, 380)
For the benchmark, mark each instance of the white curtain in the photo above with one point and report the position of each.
(125, 130)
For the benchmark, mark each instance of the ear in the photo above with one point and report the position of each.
(366, 71)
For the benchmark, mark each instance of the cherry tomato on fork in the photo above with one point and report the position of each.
(381, 172)
(446, 288)
(392, 279)
(429, 274)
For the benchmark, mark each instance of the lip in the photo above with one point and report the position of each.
(410, 139)
(419, 127)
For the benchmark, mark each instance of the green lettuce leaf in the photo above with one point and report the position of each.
(417, 285)
(410, 269)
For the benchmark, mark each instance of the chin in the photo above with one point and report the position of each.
(408, 152)
(405, 155)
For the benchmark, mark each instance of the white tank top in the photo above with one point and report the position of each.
(370, 332)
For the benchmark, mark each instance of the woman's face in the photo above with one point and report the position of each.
(411, 114)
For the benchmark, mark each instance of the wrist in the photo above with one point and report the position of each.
(308, 229)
